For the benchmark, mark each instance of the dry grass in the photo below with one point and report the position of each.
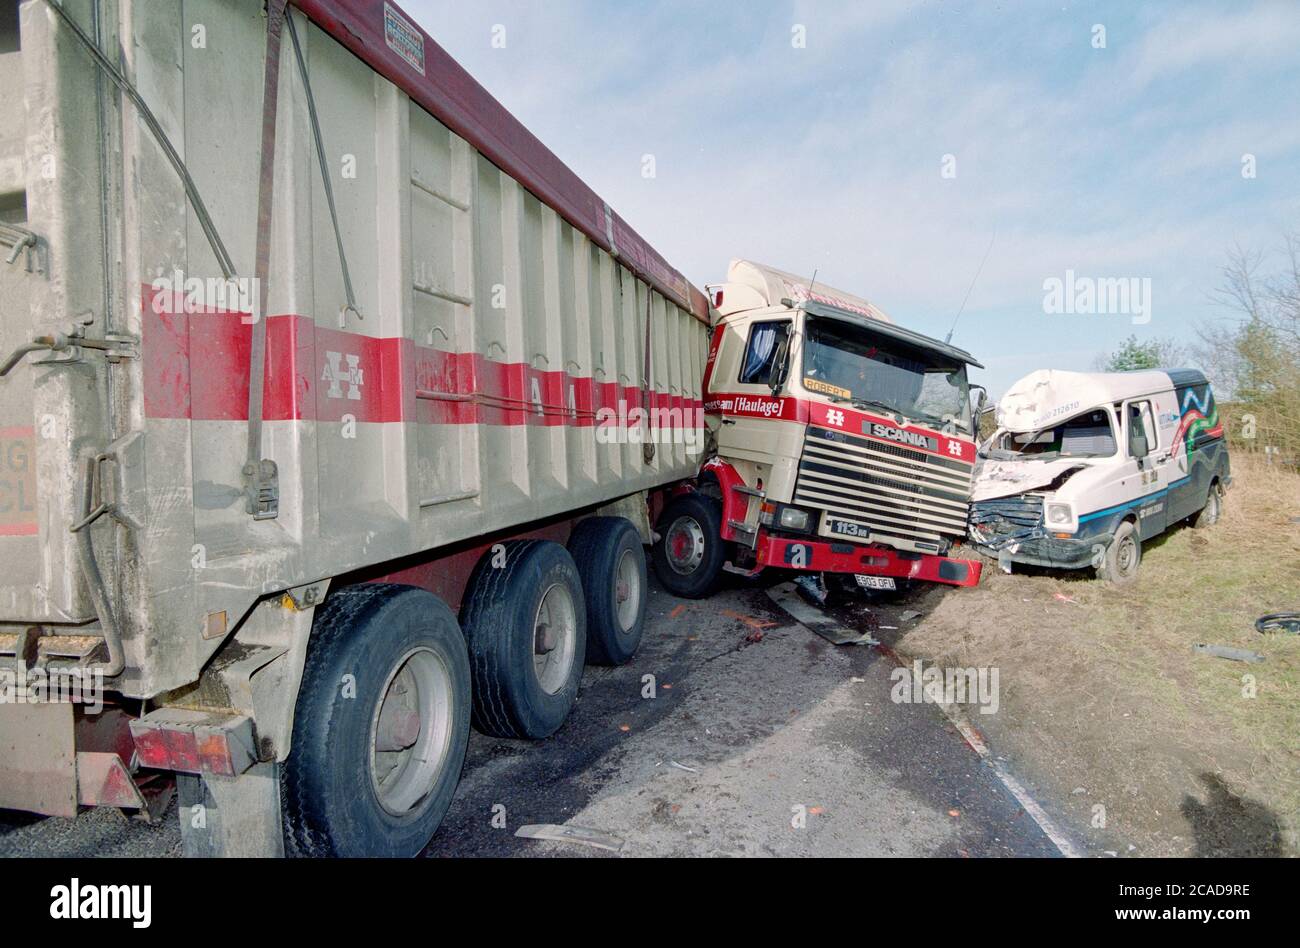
(1105, 703)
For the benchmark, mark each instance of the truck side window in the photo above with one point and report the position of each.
(760, 354)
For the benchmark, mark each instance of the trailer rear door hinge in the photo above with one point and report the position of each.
(262, 486)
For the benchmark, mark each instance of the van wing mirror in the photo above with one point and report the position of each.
(1137, 443)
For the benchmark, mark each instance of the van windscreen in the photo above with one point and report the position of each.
(1088, 435)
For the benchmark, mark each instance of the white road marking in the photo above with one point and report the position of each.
(823, 625)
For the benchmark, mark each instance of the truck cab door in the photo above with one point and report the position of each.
(743, 380)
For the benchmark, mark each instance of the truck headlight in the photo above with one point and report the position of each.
(1059, 514)
(792, 518)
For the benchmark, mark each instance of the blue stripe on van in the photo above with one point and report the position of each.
(1133, 503)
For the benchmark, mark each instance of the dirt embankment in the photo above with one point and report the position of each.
(1146, 746)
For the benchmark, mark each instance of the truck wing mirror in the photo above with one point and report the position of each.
(777, 378)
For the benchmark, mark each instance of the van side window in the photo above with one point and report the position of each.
(1142, 438)
(760, 354)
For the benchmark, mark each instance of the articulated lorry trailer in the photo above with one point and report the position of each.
(336, 415)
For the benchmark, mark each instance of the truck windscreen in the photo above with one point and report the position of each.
(846, 363)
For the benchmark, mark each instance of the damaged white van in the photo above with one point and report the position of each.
(1085, 467)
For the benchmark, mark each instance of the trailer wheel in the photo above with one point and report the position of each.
(689, 555)
(525, 622)
(1123, 556)
(381, 726)
(611, 562)
(1209, 515)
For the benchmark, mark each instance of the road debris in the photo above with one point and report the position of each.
(788, 599)
(571, 834)
(1061, 597)
(812, 587)
(681, 766)
(677, 611)
(1228, 652)
(1279, 622)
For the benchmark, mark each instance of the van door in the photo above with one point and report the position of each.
(1150, 459)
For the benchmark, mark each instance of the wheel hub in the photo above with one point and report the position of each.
(684, 545)
(555, 636)
(411, 731)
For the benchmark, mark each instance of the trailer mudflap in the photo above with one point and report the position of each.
(829, 557)
(38, 748)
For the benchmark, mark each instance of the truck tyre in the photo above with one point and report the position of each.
(381, 726)
(1209, 515)
(689, 555)
(1123, 556)
(611, 562)
(525, 621)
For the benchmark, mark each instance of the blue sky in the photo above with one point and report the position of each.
(1124, 161)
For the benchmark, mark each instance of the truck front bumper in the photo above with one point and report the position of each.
(828, 556)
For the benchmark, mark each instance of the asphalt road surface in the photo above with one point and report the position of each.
(754, 737)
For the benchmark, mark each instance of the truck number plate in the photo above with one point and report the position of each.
(875, 582)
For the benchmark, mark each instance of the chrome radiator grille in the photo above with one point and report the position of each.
(876, 490)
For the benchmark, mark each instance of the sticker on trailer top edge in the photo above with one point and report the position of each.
(404, 38)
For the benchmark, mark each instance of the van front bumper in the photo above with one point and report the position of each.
(1039, 549)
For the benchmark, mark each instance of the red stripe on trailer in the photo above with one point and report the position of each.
(195, 366)
(383, 36)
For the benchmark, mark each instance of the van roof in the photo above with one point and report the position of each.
(1046, 396)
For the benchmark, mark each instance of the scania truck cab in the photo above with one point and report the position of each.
(843, 443)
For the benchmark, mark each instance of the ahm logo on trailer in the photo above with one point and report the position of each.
(353, 376)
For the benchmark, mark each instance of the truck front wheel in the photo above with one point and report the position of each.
(689, 555)
(381, 726)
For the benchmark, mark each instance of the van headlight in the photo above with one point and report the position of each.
(1059, 514)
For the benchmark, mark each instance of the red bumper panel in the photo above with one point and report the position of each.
(195, 742)
(827, 557)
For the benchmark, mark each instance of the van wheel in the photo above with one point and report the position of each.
(1209, 515)
(1123, 556)
(381, 725)
(525, 622)
(688, 557)
(611, 562)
